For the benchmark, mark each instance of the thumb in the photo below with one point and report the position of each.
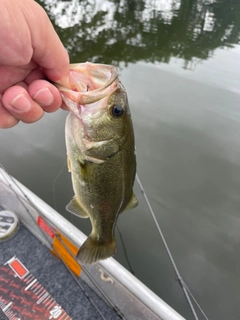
(48, 50)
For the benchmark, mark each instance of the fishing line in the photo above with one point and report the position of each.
(125, 250)
(106, 298)
(180, 280)
(194, 299)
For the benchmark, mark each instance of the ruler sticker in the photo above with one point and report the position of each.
(17, 267)
(22, 297)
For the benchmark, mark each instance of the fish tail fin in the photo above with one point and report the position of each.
(93, 250)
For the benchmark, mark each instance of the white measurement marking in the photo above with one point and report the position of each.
(55, 312)
(37, 293)
(2, 304)
(12, 316)
(35, 285)
(7, 306)
(42, 293)
(28, 277)
(9, 261)
(62, 317)
(8, 313)
(31, 284)
(46, 297)
(51, 305)
(49, 301)
(43, 297)
(39, 289)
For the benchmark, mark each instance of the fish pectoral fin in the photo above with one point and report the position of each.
(69, 164)
(94, 160)
(83, 169)
(75, 208)
(132, 203)
(100, 151)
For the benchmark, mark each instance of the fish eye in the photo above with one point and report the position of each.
(117, 110)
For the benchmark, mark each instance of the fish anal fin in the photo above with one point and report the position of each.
(132, 203)
(75, 208)
(93, 250)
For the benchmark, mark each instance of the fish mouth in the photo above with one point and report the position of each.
(91, 76)
(88, 83)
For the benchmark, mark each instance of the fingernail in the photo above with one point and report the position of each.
(44, 97)
(21, 103)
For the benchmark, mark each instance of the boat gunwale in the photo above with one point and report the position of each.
(133, 285)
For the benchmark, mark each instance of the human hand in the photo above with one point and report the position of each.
(31, 52)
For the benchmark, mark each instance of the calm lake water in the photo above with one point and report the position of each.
(180, 63)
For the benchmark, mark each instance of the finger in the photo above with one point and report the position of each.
(35, 74)
(46, 95)
(48, 50)
(11, 75)
(20, 105)
(7, 120)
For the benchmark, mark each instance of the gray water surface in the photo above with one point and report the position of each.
(180, 63)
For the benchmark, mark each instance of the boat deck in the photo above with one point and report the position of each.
(54, 277)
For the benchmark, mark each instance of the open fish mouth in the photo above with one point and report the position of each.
(88, 83)
(91, 77)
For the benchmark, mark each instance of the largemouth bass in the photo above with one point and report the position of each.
(101, 154)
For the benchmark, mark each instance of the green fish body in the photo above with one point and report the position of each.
(101, 154)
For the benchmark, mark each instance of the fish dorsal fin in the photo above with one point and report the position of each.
(75, 208)
(132, 203)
